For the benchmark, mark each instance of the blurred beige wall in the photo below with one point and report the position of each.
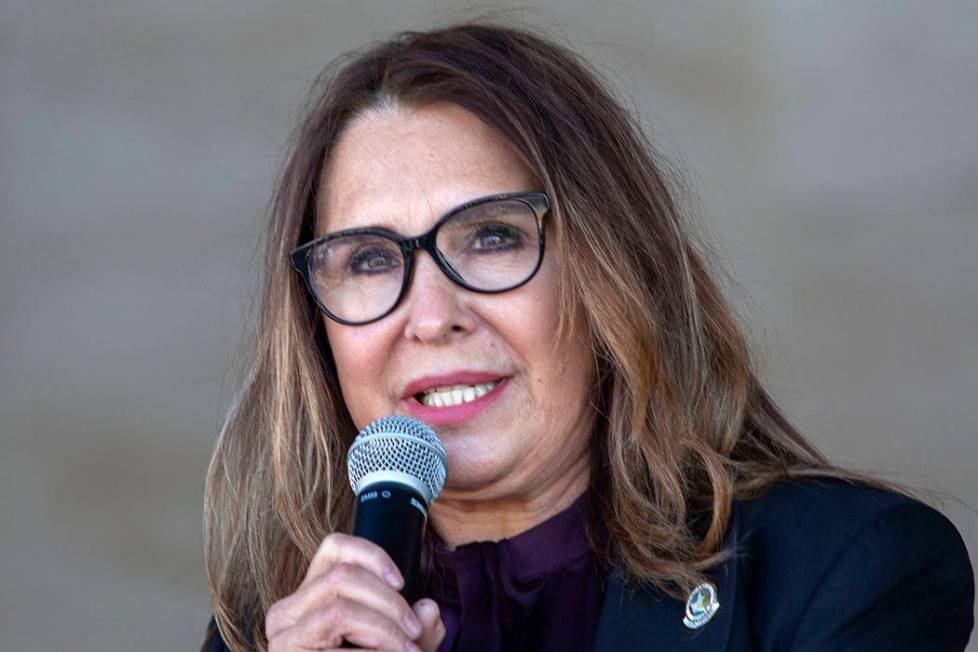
(832, 146)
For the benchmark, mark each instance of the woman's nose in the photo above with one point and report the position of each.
(436, 306)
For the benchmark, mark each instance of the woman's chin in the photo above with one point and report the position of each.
(472, 476)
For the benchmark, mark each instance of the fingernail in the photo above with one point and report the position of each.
(412, 624)
(411, 647)
(393, 578)
(428, 607)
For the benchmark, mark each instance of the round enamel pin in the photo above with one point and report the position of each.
(701, 605)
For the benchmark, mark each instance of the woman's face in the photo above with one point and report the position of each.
(402, 169)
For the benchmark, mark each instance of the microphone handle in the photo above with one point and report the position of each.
(393, 516)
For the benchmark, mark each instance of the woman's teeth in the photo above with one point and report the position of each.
(455, 395)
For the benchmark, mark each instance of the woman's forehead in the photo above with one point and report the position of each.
(412, 164)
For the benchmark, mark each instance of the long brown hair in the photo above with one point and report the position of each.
(683, 427)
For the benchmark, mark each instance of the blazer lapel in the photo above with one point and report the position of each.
(636, 617)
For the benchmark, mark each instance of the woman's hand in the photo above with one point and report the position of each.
(350, 592)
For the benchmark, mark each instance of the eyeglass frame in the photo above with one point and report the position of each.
(537, 201)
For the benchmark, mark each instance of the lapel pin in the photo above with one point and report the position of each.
(701, 604)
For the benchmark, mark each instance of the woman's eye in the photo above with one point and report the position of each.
(495, 237)
(373, 261)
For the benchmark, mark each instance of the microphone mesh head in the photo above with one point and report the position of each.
(398, 448)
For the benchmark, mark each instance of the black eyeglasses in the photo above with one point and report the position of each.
(487, 245)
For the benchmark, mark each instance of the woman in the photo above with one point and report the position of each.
(618, 477)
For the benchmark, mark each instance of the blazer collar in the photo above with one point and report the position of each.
(635, 616)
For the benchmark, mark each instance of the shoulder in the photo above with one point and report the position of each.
(818, 520)
(837, 565)
(817, 516)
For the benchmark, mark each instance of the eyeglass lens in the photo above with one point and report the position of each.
(492, 246)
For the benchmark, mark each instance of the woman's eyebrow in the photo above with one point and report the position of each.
(386, 226)
(356, 223)
(352, 221)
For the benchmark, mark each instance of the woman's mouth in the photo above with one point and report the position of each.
(453, 401)
(453, 395)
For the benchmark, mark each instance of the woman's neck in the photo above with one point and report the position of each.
(458, 520)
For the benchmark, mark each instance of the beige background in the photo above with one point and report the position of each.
(832, 145)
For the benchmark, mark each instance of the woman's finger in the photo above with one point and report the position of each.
(345, 581)
(433, 629)
(345, 548)
(343, 619)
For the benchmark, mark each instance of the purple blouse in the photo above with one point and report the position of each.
(541, 590)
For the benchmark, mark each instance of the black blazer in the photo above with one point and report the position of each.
(816, 565)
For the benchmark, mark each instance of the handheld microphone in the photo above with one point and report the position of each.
(397, 469)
